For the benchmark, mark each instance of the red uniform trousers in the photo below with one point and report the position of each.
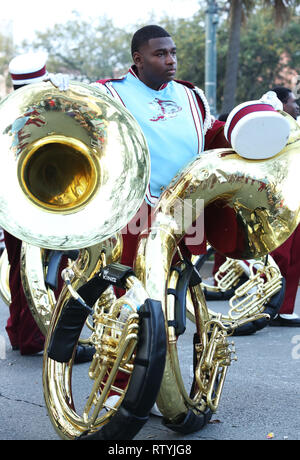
(21, 328)
(287, 257)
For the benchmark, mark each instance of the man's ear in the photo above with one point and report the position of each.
(137, 58)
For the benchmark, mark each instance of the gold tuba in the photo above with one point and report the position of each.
(250, 287)
(250, 208)
(76, 172)
(58, 189)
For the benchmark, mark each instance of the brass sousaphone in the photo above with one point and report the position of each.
(76, 171)
(56, 188)
(250, 208)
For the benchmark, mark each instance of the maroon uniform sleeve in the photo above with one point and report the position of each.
(215, 138)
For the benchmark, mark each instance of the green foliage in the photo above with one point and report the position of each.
(240, 12)
(266, 50)
(189, 36)
(87, 51)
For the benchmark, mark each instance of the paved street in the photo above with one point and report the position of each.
(261, 393)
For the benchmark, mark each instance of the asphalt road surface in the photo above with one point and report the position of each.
(260, 400)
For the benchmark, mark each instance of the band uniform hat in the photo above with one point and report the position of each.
(256, 130)
(28, 68)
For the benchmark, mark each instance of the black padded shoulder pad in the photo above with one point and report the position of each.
(54, 261)
(72, 319)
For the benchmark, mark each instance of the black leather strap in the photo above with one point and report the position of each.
(72, 319)
(54, 260)
(189, 276)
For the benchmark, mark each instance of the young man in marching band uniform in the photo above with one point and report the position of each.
(175, 117)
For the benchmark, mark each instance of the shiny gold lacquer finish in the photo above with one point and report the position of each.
(213, 356)
(114, 348)
(264, 280)
(41, 299)
(228, 274)
(264, 209)
(213, 351)
(256, 292)
(76, 171)
(115, 342)
(68, 156)
(261, 199)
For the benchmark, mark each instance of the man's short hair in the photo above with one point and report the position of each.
(282, 93)
(145, 34)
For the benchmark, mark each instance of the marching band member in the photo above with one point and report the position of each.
(23, 332)
(176, 121)
(287, 256)
(175, 118)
